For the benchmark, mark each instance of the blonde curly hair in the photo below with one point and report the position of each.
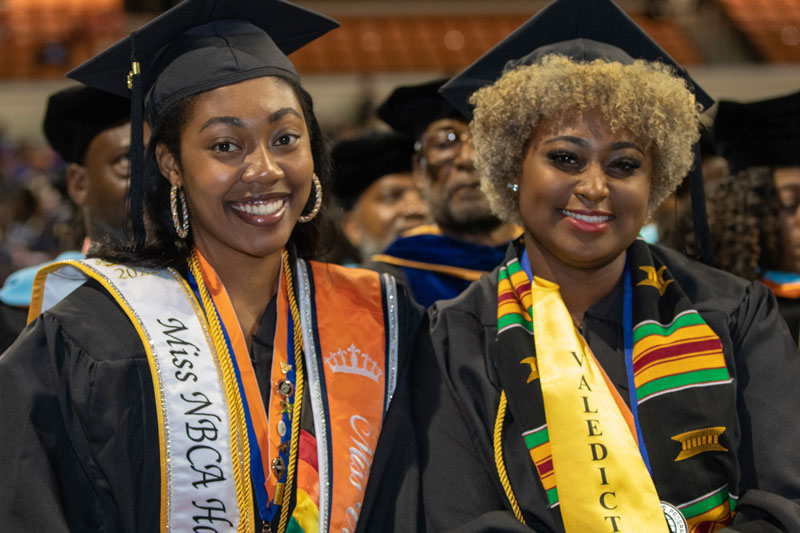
(645, 98)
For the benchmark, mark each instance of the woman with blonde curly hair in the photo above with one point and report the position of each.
(593, 382)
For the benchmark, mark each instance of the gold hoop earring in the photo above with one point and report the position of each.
(181, 228)
(317, 200)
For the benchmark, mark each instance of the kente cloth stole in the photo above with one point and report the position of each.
(350, 389)
(670, 352)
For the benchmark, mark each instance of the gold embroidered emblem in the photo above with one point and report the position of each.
(534, 369)
(285, 367)
(699, 441)
(655, 279)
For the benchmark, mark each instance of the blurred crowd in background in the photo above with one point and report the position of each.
(35, 214)
(37, 219)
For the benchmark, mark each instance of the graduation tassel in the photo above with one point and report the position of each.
(136, 187)
(705, 248)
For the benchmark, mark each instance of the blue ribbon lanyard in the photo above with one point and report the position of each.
(526, 265)
(266, 509)
(627, 329)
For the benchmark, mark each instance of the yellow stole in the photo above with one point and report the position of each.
(603, 484)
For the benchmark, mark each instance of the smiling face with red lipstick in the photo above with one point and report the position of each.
(246, 166)
(583, 192)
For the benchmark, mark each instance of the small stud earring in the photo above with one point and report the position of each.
(513, 186)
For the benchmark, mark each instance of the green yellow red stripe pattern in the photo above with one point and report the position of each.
(514, 310)
(682, 354)
(514, 287)
(674, 349)
(538, 443)
(710, 512)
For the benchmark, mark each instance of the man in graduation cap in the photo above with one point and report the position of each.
(438, 262)
(377, 190)
(594, 382)
(754, 210)
(90, 130)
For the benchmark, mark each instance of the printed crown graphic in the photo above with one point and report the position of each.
(354, 361)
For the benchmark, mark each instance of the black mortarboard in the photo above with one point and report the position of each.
(200, 45)
(361, 161)
(410, 109)
(707, 145)
(582, 30)
(197, 46)
(76, 115)
(763, 133)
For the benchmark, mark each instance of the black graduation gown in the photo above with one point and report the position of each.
(790, 311)
(78, 420)
(12, 322)
(456, 394)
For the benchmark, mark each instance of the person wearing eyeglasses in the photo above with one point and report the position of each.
(754, 215)
(438, 262)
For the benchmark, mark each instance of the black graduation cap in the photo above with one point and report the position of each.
(197, 46)
(361, 161)
(200, 45)
(76, 115)
(582, 30)
(762, 133)
(411, 108)
(708, 146)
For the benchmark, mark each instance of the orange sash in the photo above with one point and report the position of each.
(348, 323)
(350, 339)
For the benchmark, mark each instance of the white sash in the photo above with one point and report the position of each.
(198, 492)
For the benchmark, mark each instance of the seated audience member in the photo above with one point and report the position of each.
(593, 382)
(753, 211)
(468, 240)
(673, 218)
(90, 130)
(376, 189)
